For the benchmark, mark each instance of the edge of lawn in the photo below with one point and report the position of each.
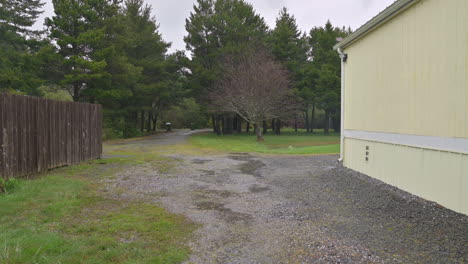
(64, 216)
(207, 140)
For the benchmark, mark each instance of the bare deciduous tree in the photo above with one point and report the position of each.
(254, 86)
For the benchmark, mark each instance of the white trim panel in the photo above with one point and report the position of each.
(458, 145)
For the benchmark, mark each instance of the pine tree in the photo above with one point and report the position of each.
(327, 66)
(288, 44)
(146, 50)
(290, 47)
(18, 46)
(17, 16)
(78, 30)
(217, 29)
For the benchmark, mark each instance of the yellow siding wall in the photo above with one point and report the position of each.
(410, 75)
(434, 175)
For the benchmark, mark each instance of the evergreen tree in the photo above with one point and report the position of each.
(327, 66)
(78, 30)
(201, 43)
(290, 47)
(17, 16)
(288, 44)
(18, 46)
(160, 83)
(309, 94)
(217, 29)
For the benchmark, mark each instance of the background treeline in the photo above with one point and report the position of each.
(217, 29)
(111, 52)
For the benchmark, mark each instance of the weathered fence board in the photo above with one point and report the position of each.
(38, 134)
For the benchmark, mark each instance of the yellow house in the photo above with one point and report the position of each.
(405, 99)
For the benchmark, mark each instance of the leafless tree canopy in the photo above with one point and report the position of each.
(254, 86)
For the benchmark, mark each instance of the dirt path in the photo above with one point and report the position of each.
(292, 209)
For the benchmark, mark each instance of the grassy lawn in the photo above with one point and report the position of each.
(288, 142)
(64, 217)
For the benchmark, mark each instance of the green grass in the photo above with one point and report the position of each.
(288, 142)
(63, 217)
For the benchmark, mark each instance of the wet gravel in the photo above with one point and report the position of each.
(295, 209)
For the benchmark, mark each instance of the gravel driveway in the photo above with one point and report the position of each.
(294, 209)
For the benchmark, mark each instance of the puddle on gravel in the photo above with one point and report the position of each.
(213, 177)
(207, 205)
(222, 194)
(227, 214)
(251, 167)
(241, 157)
(200, 161)
(258, 189)
(208, 172)
(208, 193)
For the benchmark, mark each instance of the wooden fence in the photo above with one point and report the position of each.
(39, 134)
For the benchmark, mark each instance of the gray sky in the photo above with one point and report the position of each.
(171, 14)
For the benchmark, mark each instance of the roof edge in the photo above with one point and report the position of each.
(390, 12)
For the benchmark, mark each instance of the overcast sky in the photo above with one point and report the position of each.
(171, 14)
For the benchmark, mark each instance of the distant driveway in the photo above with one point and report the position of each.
(292, 209)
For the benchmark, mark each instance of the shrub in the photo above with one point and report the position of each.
(8, 186)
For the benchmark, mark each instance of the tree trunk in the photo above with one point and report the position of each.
(312, 119)
(295, 123)
(214, 121)
(229, 125)
(336, 124)
(239, 124)
(131, 124)
(278, 127)
(265, 127)
(76, 93)
(258, 131)
(327, 122)
(307, 119)
(273, 124)
(142, 121)
(127, 126)
(148, 125)
(217, 124)
(155, 120)
(247, 129)
(223, 125)
(135, 119)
